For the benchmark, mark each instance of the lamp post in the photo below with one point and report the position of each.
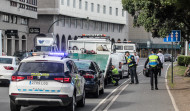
(66, 19)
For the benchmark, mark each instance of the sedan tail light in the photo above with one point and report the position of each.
(17, 78)
(88, 76)
(8, 68)
(63, 80)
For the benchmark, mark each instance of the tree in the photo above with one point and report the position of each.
(160, 16)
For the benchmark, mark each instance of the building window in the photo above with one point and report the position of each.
(116, 11)
(5, 18)
(15, 19)
(31, 8)
(104, 9)
(14, 4)
(62, 2)
(22, 0)
(92, 7)
(82, 24)
(33, 2)
(74, 3)
(22, 6)
(110, 10)
(68, 2)
(63, 22)
(98, 8)
(123, 13)
(86, 5)
(80, 4)
(24, 21)
(11, 18)
(106, 27)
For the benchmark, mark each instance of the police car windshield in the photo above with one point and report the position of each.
(41, 67)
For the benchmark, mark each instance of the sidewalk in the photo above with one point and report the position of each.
(142, 98)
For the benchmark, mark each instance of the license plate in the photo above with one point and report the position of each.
(38, 83)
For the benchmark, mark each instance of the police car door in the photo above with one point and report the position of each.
(79, 78)
(75, 76)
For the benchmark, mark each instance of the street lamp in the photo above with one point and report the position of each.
(65, 19)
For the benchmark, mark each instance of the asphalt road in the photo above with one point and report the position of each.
(121, 98)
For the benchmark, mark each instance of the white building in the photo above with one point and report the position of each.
(105, 17)
(14, 15)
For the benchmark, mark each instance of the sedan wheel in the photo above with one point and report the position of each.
(97, 93)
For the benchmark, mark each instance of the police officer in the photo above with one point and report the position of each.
(130, 60)
(154, 62)
(115, 75)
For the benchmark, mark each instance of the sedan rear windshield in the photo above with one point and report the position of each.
(48, 68)
(6, 60)
(82, 65)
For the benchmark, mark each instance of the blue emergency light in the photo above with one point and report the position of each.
(57, 54)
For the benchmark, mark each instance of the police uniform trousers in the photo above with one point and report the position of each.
(133, 73)
(153, 75)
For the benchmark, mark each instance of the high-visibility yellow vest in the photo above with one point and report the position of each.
(115, 71)
(153, 60)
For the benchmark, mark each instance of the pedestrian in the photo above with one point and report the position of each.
(130, 60)
(154, 62)
(115, 75)
(136, 58)
(161, 56)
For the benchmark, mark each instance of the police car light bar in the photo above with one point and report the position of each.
(57, 54)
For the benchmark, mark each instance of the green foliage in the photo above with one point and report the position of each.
(183, 60)
(160, 16)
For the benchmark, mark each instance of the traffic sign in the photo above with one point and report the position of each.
(175, 36)
(34, 30)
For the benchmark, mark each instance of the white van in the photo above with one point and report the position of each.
(117, 59)
(123, 47)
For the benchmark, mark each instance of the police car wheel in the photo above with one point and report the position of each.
(102, 90)
(72, 105)
(81, 103)
(14, 107)
(97, 93)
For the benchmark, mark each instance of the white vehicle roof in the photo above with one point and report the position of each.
(46, 57)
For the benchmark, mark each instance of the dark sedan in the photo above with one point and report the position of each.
(93, 75)
(167, 57)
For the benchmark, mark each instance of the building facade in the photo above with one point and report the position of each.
(77, 17)
(14, 17)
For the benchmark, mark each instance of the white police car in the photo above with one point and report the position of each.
(48, 81)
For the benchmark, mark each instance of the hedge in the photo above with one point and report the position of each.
(183, 60)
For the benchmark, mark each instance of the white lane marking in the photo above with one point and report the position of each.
(171, 96)
(114, 99)
(103, 101)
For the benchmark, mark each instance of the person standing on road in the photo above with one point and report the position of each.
(154, 62)
(130, 60)
(161, 56)
(136, 58)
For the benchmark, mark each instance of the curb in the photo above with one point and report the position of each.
(170, 94)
